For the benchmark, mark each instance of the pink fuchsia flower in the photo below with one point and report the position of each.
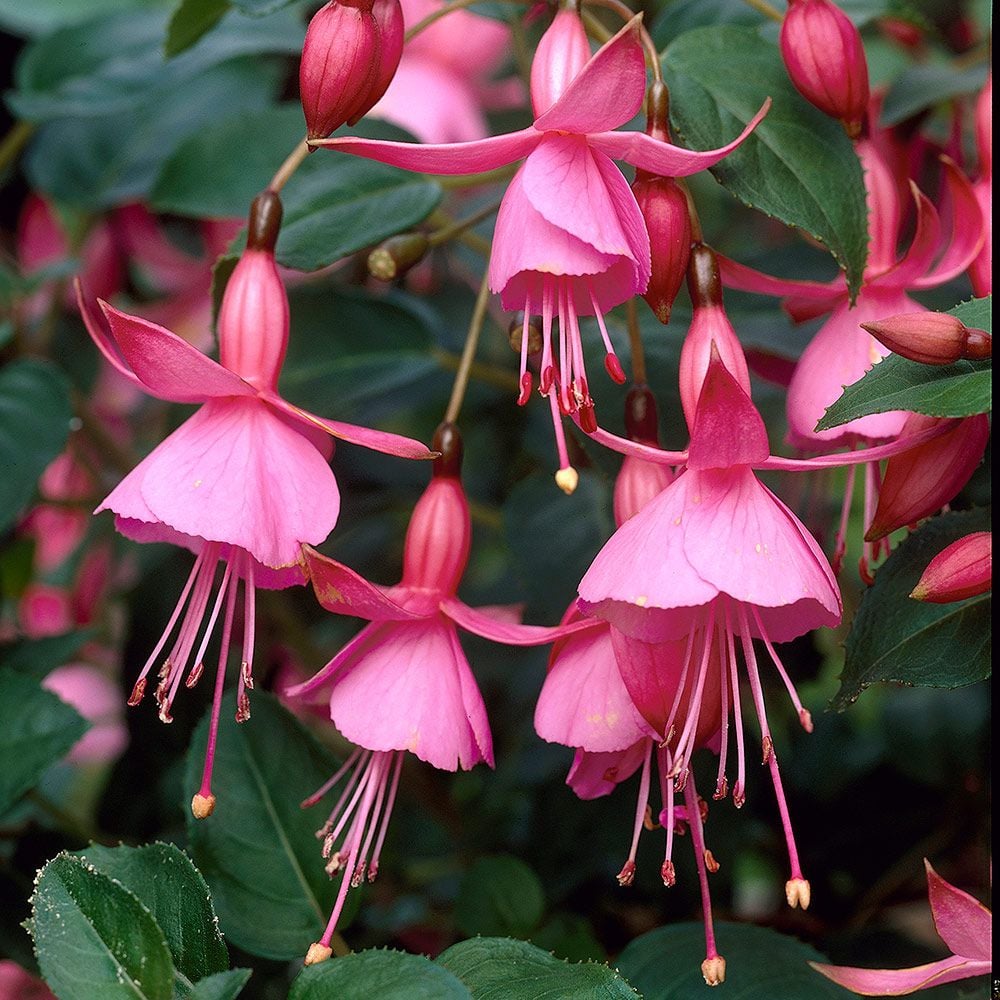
(192, 489)
(965, 926)
(960, 570)
(403, 684)
(98, 699)
(18, 984)
(570, 240)
(825, 59)
(58, 528)
(443, 83)
(717, 558)
(981, 269)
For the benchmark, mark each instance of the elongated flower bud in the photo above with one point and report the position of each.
(350, 54)
(963, 569)
(825, 59)
(931, 338)
(396, 255)
(562, 52)
(638, 481)
(253, 318)
(919, 482)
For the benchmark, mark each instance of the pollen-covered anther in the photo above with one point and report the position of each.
(713, 970)
(373, 871)
(243, 708)
(195, 675)
(806, 719)
(202, 806)
(739, 795)
(766, 749)
(164, 714)
(359, 874)
(710, 863)
(647, 820)
(317, 953)
(668, 874)
(627, 875)
(798, 893)
(246, 674)
(137, 692)
(721, 788)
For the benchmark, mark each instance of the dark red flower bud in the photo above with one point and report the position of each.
(931, 338)
(664, 207)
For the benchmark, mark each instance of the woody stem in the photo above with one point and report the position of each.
(441, 12)
(292, 163)
(468, 352)
(763, 7)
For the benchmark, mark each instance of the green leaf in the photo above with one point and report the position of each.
(260, 8)
(37, 657)
(41, 17)
(221, 986)
(388, 975)
(165, 881)
(895, 639)
(925, 86)
(492, 968)
(761, 964)
(203, 177)
(34, 424)
(798, 166)
(94, 938)
(258, 850)
(498, 896)
(337, 205)
(36, 730)
(190, 20)
(895, 383)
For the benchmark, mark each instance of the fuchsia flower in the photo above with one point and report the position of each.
(960, 570)
(403, 683)
(243, 482)
(965, 926)
(570, 240)
(98, 699)
(981, 269)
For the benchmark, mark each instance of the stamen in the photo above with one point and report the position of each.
(712, 957)
(525, 394)
(685, 745)
(524, 345)
(390, 801)
(249, 622)
(804, 717)
(682, 684)
(566, 477)
(627, 874)
(739, 789)
(611, 362)
(547, 371)
(840, 546)
(721, 784)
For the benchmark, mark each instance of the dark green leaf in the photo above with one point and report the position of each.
(38, 657)
(499, 895)
(494, 968)
(190, 20)
(43, 16)
(97, 164)
(258, 850)
(260, 8)
(976, 313)
(163, 879)
(897, 639)
(36, 730)
(221, 986)
(204, 178)
(925, 86)
(93, 937)
(388, 975)
(798, 166)
(761, 964)
(34, 425)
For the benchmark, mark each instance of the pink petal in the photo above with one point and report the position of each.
(235, 473)
(367, 437)
(899, 982)
(97, 328)
(595, 774)
(969, 230)
(608, 91)
(340, 590)
(657, 157)
(747, 279)
(500, 629)
(413, 690)
(583, 702)
(923, 246)
(965, 925)
(167, 366)
(367, 639)
(446, 158)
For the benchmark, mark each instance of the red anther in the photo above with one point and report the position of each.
(739, 795)
(806, 719)
(567, 404)
(525, 392)
(681, 780)
(627, 875)
(137, 692)
(767, 749)
(195, 675)
(710, 863)
(614, 367)
(721, 789)
(867, 577)
(242, 708)
(668, 874)
(547, 378)
(588, 419)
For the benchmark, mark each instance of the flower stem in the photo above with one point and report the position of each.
(13, 142)
(763, 7)
(635, 340)
(441, 12)
(292, 163)
(468, 352)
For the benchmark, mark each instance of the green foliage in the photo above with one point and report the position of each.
(258, 850)
(190, 20)
(388, 975)
(36, 730)
(499, 895)
(921, 87)
(798, 166)
(895, 639)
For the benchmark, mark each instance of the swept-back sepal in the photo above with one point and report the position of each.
(340, 590)
(965, 925)
(498, 629)
(748, 279)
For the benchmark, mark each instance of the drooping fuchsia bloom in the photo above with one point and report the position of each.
(981, 269)
(960, 570)
(825, 58)
(192, 490)
(716, 558)
(570, 240)
(443, 82)
(404, 683)
(97, 698)
(965, 926)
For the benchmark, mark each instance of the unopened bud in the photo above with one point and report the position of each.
(931, 338)
(561, 54)
(963, 569)
(516, 334)
(704, 282)
(447, 443)
(349, 57)
(714, 970)
(825, 59)
(393, 258)
(317, 953)
(202, 806)
(798, 893)
(664, 208)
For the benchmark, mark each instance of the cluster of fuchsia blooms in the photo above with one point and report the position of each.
(680, 614)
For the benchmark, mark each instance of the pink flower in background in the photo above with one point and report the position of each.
(18, 984)
(570, 240)
(192, 490)
(98, 699)
(404, 683)
(981, 269)
(443, 83)
(965, 926)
